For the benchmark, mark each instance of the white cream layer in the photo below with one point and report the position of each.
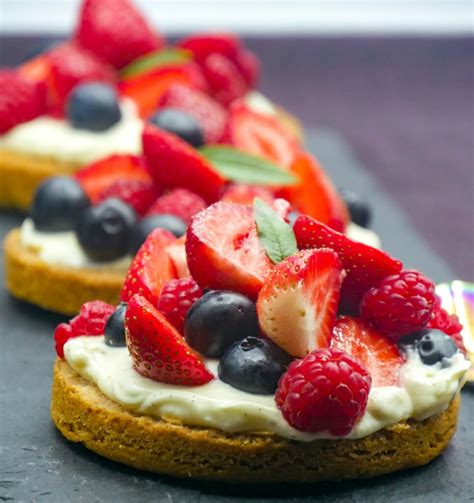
(427, 390)
(63, 249)
(56, 138)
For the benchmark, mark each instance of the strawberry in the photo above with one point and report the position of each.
(174, 163)
(298, 302)
(179, 202)
(157, 349)
(139, 194)
(224, 252)
(283, 208)
(260, 134)
(177, 253)
(146, 89)
(115, 31)
(315, 194)
(242, 193)
(224, 78)
(151, 268)
(99, 176)
(375, 352)
(249, 66)
(208, 112)
(71, 65)
(365, 266)
(203, 45)
(21, 99)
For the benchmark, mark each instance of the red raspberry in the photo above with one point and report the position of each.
(139, 194)
(325, 391)
(91, 320)
(403, 303)
(179, 202)
(449, 324)
(176, 298)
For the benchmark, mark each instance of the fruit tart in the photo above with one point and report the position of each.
(284, 355)
(89, 97)
(84, 229)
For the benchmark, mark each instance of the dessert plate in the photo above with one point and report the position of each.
(36, 454)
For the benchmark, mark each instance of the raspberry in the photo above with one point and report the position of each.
(176, 298)
(449, 324)
(325, 391)
(403, 303)
(179, 202)
(91, 320)
(139, 194)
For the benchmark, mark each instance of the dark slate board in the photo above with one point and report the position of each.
(37, 464)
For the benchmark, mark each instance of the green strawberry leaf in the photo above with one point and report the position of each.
(154, 60)
(275, 234)
(241, 167)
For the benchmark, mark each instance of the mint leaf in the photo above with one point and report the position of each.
(154, 60)
(276, 235)
(241, 167)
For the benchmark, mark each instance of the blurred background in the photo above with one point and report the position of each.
(395, 78)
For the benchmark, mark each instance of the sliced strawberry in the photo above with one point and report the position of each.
(226, 82)
(207, 111)
(37, 69)
(365, 266)
(298, 302)
(315, 194)
(260, 134)
(151, 268)
(146, 89)
(202, 45)
(249, 65)
(174, 163)
(242, 193)
(224, 252)
(177, 253)
(380, 356)
(116, 31)
(21, 99)
(157, 349)
(99, 176)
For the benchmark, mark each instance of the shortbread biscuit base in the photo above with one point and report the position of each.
(84, 414)
(57, 288)
(20, 175)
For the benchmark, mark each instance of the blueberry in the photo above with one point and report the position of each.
(181, 124)
(359, 208)
(434, 346)
(57, 203)
(93, 106)
(217, 320)
(115, 327)
(254, 365)
(104, 230)
(171, 223)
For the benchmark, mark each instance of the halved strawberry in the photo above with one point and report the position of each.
(146, 89)
(315, 194)
(365, 266)
(151, 268)
(380, 356)
(242, 193)
(224, 252)
(202, 45)
(260, 134)
(157, 349)
(207, 111)
(298, 302)
(116, 31)
(99, 176)
(174, 163)
(177, 253)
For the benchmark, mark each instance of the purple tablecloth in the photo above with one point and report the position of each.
(405, 105)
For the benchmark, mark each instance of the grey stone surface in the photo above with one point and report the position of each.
(37, 464)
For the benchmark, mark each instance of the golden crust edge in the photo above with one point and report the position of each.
(83, 414)
(56, 288)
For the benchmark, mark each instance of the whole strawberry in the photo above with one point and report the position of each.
(179, 202)
(176, 298)
(402, 304)
(325, 391)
